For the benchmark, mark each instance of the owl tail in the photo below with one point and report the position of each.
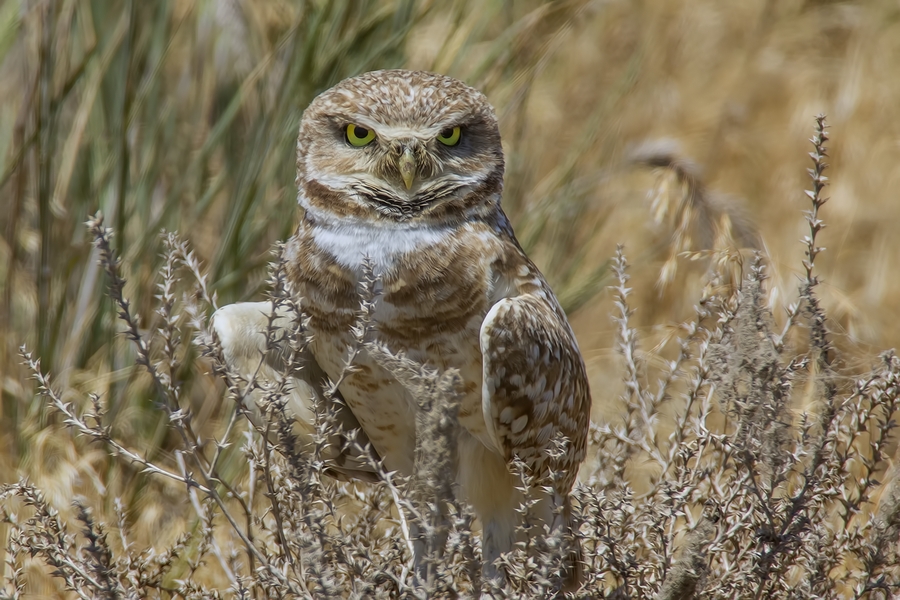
(573, 562)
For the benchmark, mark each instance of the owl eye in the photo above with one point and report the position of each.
(359, 136)
(449, 136)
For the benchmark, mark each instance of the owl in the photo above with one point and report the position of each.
(405, 168)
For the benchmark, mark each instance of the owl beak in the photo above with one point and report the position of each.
(407, 166)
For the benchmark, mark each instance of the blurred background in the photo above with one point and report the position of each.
(676, 127)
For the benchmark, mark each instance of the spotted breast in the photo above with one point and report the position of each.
(436, 287)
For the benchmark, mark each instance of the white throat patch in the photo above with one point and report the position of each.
(349, 241)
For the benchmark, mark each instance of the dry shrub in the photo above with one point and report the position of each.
(767, 482)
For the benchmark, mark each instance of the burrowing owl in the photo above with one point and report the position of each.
(406, 168)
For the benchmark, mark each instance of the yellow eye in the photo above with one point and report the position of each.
(449, 136)
(359, 136)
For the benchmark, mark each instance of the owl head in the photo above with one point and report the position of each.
(399, 146)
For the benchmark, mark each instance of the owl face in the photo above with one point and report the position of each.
(399, 146)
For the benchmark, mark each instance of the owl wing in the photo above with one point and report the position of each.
(534, 385)
(241, 330)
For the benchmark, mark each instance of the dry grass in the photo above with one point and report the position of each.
(677, 128)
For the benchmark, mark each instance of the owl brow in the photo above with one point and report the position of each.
(462, 122)
(340, 122)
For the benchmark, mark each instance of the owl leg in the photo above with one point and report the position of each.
(493, 492)
(491, 489)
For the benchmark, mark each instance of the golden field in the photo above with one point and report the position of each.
(679, 128)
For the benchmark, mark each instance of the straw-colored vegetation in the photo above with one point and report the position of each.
(743, 441)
